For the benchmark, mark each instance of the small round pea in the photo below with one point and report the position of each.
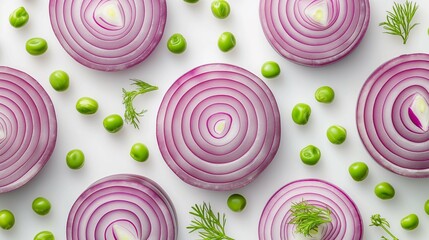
(176, 43)
(75, 159)
(310, 155)
(113, 123)
(59, 80)
(44, 235)
(86, 105)
(358, 171)
(410, 222)
(336, 134)
(324, 94)
(270, 69)
(36, 46)
(384, 190)
(191, 1)
(236, 202)
(41, 206)
(226, 41)
(139, 152)
(426, 207)
(19, 17)
(7, 219)
(301, 113)
(220, 9)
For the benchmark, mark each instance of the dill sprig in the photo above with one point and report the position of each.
(307, 218)
(131, 115)
(378, 221)
(398, 22)
(210, 226)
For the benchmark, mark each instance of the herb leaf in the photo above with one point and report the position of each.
(308, 218)
(378, 221)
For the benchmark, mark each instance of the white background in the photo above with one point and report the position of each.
(108, 153)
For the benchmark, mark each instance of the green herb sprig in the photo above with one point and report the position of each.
(308, 218)
(210, 225)
(378, 221)
(398, 22)
(131, 115)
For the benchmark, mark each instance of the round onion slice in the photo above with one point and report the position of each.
(314, 32)
(218, 127)
(390, 131)
(28, 128)
(346, 220)
(122, 206)
(108, 35)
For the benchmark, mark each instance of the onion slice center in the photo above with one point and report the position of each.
(419, 112)
(122, 233)
(110, 14)
(318, 13)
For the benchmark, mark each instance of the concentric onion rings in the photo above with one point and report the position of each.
(297, 37)
(218, 127)
(131, 203)
(105, 46)
(28, 128)
(382, 115)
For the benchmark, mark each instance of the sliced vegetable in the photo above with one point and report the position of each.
(122, 206)
(176, 43)
(86, 105)
(220, 8)
(113, 123)
(108, 35)
(398, 21)
(218, 127)
(378, 221)
(59, 80)
(307, 218)
(139, 152)
(410, 222)
(7, 219)
(358, 171)
(324, 94)
(270, 69)
(44, 235)
(226, 42)
(19, 17)
(310, 155)
(384, 190)
(301, 113)
(336, 134)
(41, 206)
(36, 46)
(75, 159)
(236, 202)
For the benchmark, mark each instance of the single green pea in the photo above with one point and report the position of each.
(324, 94)
(236, 202)
(358, 171)
(191, 1)
(113, 123)
(36, 46)
(226, 41)
(220, 9)
(86, 105)
(426, 207)
(7, 219)
(19, 17)
(336, 134)
(59, 80)
(41, 206)
(270, 69)
(44, 235)
(410, 222)
(75, 159)
(176, 43)
(139, 152)
(384, 190)
(310, 155)
(301, 113)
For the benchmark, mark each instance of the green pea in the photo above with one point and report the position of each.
(336, 134)
(19, 17)
(226, 41)
(176, 43)
(236, 202)
(41, 206)
(410, 222)
(324, 94)
(301, 113)
(270, 69)
(139, 152)
(220, 9)
(191, 1)
(358, 171)
(86, 105)
(59, 80)
(113, 123)
(384, 191)
(310, 155)
(426, 207)
(7, 219)
(75, 159)
(44, 235)
(36, 46)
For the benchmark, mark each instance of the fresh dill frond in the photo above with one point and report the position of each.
(209, 225)
(307, 217)
(131, 115)
(398, 22)
(378, 221)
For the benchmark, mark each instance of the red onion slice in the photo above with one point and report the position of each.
(122, 206)
(28, 128)
(346, 220)
(314, 32)
(108, 35)
(388, 131)
(218, 127)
